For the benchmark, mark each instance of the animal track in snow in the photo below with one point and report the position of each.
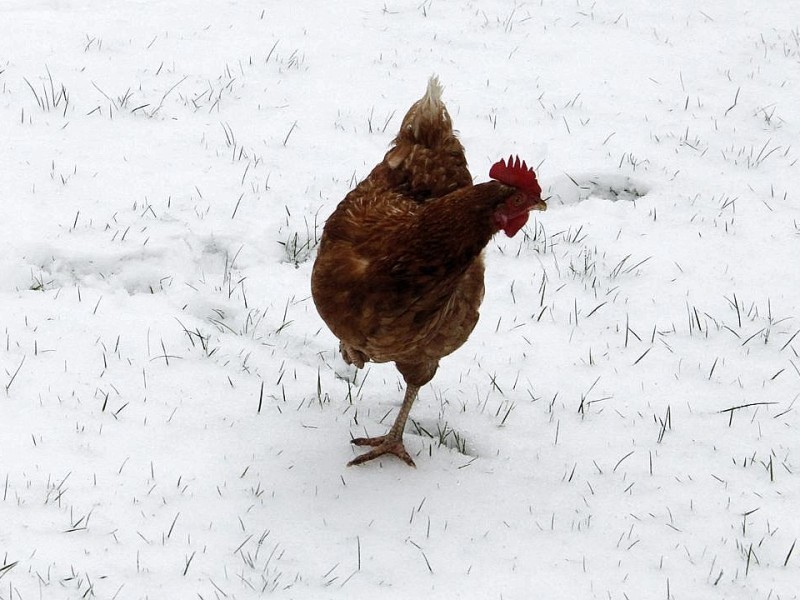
(574, 188)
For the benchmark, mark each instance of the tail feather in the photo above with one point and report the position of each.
(430, 106)
(426, 157)
(427, 122)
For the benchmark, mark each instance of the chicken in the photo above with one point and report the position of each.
(399, 272)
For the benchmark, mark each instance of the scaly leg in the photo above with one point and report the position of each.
(392, 442)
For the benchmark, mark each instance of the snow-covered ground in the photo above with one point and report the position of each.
(174, 418)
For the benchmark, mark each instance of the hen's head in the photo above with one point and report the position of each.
(512, 214)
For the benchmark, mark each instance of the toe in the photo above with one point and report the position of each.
(376, 441)
(383, 446)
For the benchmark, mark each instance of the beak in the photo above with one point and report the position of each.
(540, 204)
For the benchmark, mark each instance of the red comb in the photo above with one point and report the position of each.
(516, 174)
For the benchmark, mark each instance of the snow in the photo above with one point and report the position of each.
(175, 415)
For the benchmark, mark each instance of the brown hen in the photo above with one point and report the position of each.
(399, 273)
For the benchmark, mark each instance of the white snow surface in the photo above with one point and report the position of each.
(175, 417)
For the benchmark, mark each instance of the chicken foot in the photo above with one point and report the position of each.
(392, 442)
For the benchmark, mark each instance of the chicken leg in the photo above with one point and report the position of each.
(392, 442)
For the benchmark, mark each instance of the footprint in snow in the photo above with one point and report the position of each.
(574, 188)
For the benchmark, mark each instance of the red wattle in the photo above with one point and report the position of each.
(514, 224)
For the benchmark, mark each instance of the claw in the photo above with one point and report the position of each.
(382, 445)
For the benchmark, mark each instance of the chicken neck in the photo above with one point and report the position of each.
(446, 235)
(461, 223)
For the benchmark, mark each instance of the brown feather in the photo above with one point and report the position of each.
(399, 274)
